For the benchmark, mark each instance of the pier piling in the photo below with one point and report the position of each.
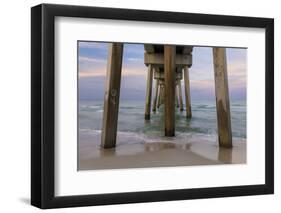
(111, 97)
(155, 95)
(187, 92)
(222, 98)
(148, 92)
(169, 104)
(180, 95)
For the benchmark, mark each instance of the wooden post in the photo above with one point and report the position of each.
(148, 92)
(155, 96)
(225, 155)
(177, 96)
(180, 95)
(169, 73)
(187, 92)
(222, 98)
(159, 96)
(111, 97)
(162, 100)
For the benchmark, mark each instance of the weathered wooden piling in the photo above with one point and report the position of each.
(177, 96)
(162, 100)
(155, 96)
(111, 97)
(159, 96)
(187, 92)
(148, 92)
(222, 98)
(180, 95)
(169, 72)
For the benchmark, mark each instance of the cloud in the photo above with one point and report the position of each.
(90, 60)
(134, 49)
(102, 72)
(135, 60)
(237, 68)
(89, 66)
(90, 73)
(202, 84)
(92, 45)
(93, 63)
(237, 74)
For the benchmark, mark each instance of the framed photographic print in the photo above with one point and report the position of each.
(140, 106)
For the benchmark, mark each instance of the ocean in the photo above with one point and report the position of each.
(133, 127)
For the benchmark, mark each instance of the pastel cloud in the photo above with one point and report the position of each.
(92, 64)
(83, 59)
(102, 72)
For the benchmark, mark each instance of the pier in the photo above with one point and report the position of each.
(168, 65)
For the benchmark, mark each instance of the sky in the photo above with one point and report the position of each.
(92, 62)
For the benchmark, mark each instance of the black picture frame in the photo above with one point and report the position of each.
(43, 102)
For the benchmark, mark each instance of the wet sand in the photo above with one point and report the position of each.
(132, 152)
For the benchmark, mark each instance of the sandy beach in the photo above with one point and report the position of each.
(132, 152)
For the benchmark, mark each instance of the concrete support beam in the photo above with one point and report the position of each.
(222, 98)
(169, 72)
(149, 48)
(187, 49)
(111, 97)
(157, 59)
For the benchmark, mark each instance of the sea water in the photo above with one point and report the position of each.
(131, 122)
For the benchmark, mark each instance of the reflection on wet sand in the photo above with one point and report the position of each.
(140, 153)
(225, 155)
(157, 146)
